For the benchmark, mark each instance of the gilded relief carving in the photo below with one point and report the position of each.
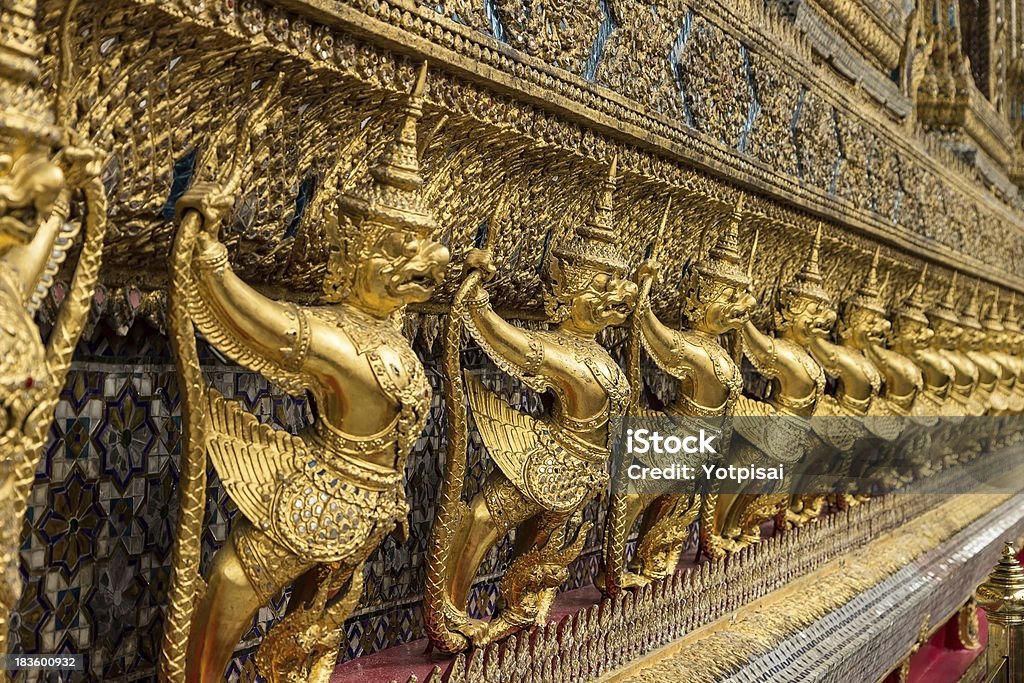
(856, 174)
(713, 78)
(644, 32)
(817, 141)
(271, 253)
(771, 138)
(469, 12)
(886, 184)
(559, 33)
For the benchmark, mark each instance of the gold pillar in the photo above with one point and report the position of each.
(1002, 598)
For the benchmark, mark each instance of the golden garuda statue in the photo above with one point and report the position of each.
(715, 301)
(1013, 345)
(1002, 334)
(902, 377)
(796, 385)
(545, 469)
(948, 332)
(314, 505)
(913, 339)
(36, 195)
(865, 420)
(973, 341)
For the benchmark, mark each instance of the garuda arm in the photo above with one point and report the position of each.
(760, 349)
(266, 336)
(665, 345)
(514, 350)
(33, 265)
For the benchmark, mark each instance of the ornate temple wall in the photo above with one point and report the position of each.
(834, 113)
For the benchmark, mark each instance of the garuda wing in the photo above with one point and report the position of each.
(780, 436)
(249, 456)
(529, 454)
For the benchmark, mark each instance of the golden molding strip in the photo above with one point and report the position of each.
(602, 638)
(723, 648)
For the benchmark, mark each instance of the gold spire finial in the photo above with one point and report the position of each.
(391, 196)
(950, 299)
(946, 309)
(992, 320)
(807, 282)
(869, 295)
(603, 218)
(724, 262)
(1002, 595)
(913, 305)
(737, 210)
(399, 165)
(595, 245)
(872, 279)
(969, 317)
(1011, 322)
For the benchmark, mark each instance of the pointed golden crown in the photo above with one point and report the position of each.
(869, 295)
(970, 315)
(1011, 323)
(946, 309)
(992, 321)
(595, 244)
(807, 283)
(913, 305)
(392, 194)
(724, 262)
(25, 113)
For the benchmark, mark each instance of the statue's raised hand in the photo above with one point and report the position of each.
(650, 269)
(81, 164)
(209, 199)
(481, 261)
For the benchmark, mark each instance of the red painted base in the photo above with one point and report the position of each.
(943, 659)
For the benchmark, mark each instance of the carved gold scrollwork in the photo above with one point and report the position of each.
(713, 78)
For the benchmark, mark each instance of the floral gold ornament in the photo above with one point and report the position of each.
(546, 468)
(317, 503)
(36, 192)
